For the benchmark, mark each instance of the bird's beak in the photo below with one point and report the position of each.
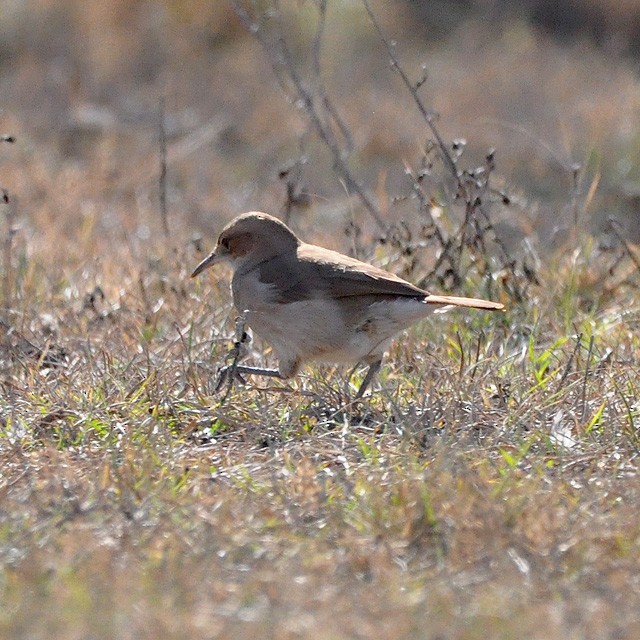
(209, 261)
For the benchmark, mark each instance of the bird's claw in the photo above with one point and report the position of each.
(229, 372)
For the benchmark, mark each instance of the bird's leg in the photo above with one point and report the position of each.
(374, 367)
(233, 371)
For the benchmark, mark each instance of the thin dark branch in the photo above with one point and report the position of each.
(586, 377)
(9, 275)
(162, 180)
(567, 368)
(429, 117)
(424, 204)
(617, 231)
(316, 57)
(282, 62)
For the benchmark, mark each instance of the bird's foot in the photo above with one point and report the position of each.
(228, 373)
(232, 371)
(235, 372)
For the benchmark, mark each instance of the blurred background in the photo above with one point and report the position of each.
(553, 87)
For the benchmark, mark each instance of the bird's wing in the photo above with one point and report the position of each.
(319, 273)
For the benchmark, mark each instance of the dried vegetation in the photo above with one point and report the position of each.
(487, 489)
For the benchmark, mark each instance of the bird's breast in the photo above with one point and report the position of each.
(250, 293)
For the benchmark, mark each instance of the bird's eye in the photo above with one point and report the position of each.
(224, 242)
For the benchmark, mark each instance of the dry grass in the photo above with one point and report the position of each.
(488, 488)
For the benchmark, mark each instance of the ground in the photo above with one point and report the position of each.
(485, 488)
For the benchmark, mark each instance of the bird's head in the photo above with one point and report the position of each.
(250, 237)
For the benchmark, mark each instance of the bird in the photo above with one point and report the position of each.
(312, 304)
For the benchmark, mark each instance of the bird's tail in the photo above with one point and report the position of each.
(455, 301)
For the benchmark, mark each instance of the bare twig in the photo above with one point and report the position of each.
(567, 368)
(291, 175)
(617, 231)
(8, 278)
(428, 116)
(472, 186)
(586, 377)
(318, 107)
(4, 194)
(321, 91)
(162, 179)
